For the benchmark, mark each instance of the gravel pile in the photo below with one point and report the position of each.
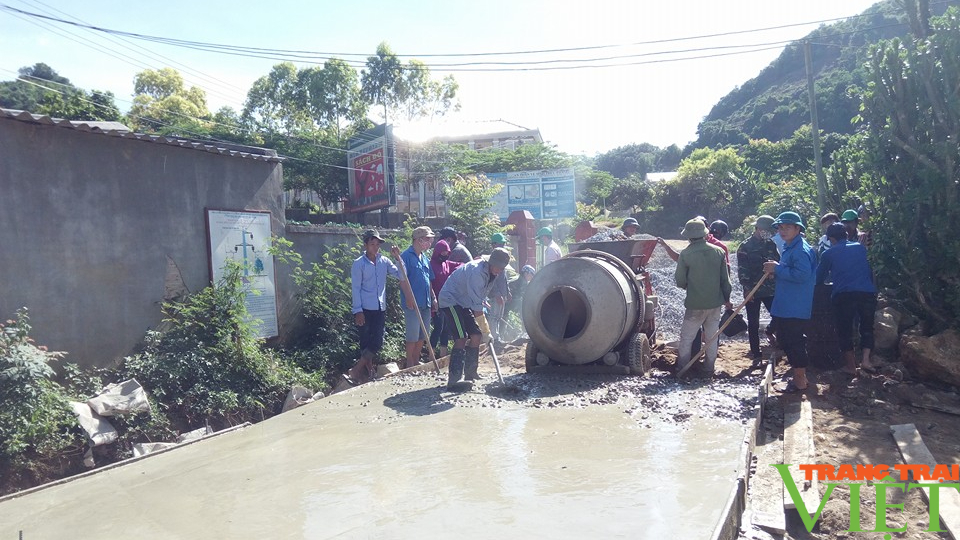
(615, 235)
(657, 398)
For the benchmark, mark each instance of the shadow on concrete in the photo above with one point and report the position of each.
(421, 402)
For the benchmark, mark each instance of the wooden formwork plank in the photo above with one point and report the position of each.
(798, 449)
(766, 488)
(914, 452)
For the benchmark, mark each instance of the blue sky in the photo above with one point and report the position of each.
(579, 110)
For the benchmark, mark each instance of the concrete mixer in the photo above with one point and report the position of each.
(591, 310)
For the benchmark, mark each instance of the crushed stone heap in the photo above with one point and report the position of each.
(615, 235)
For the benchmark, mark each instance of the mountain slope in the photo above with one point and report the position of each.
(773, 104)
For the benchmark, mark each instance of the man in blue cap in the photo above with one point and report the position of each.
(793, 298)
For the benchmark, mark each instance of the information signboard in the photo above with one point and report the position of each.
(546, 194)
(244, 237)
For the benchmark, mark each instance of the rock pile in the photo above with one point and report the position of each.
(616, 235)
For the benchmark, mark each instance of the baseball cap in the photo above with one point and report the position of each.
(423, 232)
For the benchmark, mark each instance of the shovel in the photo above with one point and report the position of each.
(403, 270)
(703, 350)
(496, 362)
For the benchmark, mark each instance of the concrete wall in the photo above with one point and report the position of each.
(96, 231)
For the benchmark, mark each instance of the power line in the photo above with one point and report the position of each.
(327, 55)
(136, 62)
(150, 54)
(316, 58)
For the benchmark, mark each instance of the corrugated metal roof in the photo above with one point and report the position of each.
(116, 129)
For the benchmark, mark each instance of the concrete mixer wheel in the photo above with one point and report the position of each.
(639, 356)
(530, 356)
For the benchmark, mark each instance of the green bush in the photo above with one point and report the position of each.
(331, 344)
(209, 366)
(35, 419)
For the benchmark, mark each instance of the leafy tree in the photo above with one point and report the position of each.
(669, 158)
(277, 101)
(631, 159)
(80, 105)
(796, 195)
(405, 90)
(334, 99)
(382, 80)
(586, 212)
(711, 183)
(598, 187)
(631, 193)
(162, 103)
(527, 157)
(22, 95)
(430, 163)
(63, 100)
(911, 112)
(316, 164)
(470, 207)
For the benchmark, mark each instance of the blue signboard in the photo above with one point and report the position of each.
(546, 194)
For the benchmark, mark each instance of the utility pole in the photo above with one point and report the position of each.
(815, 125)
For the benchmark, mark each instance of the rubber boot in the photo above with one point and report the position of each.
(471, 363)
(456, 368)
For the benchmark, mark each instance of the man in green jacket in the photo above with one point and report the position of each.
(702, 272)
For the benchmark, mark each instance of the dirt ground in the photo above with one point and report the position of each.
(852, 420)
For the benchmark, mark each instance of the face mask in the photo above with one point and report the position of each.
(766, 235)
(444, 257)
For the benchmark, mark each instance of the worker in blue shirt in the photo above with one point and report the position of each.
(854, 294)
(419, 274)
(793, 297)
(368, 283)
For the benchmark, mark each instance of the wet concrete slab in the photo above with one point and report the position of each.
(400, 458)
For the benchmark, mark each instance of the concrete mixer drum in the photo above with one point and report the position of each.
(586, 309)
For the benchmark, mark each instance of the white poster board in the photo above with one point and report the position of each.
(546, 194)
(244, 237)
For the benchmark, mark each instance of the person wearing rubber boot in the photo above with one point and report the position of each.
(702, 273)
(854, 295)
(751, 255)
(368, 283)
(793, 296)
(442, 268)
(461, 301)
